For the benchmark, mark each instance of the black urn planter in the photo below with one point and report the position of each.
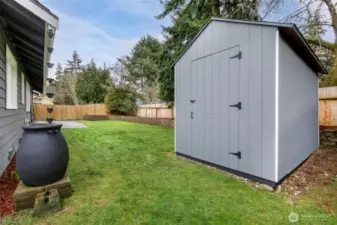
(42, 157)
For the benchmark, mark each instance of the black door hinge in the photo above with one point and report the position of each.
(237, 154)
(239, 56)
(238, 105)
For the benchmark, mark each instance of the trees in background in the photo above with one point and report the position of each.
(77, 84)
(147, 72)
(120, 99)
(65, 90)
(74, 65)
(65, 85)
(122, 95)
(314, 18)
(92, 83)
(188, 17)
(143, 67)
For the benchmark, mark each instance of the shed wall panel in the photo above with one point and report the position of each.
(298, 110)
(257, 93)
(255, 99)
(10, 120)
(268, 102)
(183, 115)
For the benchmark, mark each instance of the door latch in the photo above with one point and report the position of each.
(238, 105)
(237, 154)
(192, 117)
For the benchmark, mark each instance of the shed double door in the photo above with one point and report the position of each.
(215, 109)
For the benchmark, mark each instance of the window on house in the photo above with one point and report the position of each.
(11, 80)
(22, 88)
(28, 97)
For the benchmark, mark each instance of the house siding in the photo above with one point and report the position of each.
(11, 120)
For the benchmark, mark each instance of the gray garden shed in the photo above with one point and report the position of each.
(246, 98)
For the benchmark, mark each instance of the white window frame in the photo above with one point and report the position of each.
(11, 80)
(28, 97)
(22, 88)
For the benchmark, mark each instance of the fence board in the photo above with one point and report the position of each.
(328, 107)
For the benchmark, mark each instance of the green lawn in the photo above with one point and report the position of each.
(122, 173)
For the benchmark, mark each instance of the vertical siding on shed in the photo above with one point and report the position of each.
(10, 120)
(298, 110)
(257, 93)
(182, 93)
(268, 102)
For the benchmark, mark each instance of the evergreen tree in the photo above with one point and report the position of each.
(93, 83)
(74, 65)
(143, 64)
(65, 89)
(121, 99)
(59, 70)
(188, 17)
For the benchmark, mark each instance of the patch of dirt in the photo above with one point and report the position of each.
(8, 184)
(319, 170)
(170, 154)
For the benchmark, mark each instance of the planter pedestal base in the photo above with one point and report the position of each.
(24, 196)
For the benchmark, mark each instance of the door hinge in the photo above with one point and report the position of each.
(239, 56)
(237, 154)
(238, 105)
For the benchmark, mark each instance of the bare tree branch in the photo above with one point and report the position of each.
(333, 14)
(321, 43)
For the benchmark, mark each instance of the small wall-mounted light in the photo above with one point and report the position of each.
(50, 33)
(50, 50)
(50, 65)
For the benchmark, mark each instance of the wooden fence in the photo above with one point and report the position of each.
(148, 111)
(77, 112)
(68, 112)
(328, 107)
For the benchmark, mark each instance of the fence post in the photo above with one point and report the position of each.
(156, 113)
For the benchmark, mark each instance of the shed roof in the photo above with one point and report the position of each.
(288, 31)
